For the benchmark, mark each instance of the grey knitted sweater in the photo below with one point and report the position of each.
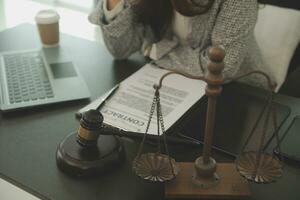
(229, 23)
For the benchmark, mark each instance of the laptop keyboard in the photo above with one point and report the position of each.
(27, 78)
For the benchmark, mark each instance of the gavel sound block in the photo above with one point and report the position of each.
(87, 152)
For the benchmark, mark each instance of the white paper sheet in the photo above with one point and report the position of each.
(9, 191)
(129, 107)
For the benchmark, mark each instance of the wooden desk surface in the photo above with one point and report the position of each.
(29, 138)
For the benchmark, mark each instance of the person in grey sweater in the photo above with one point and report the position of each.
(178, 38)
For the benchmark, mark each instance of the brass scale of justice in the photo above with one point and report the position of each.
(84, 154)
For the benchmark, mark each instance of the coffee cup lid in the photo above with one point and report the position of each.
(47, 17)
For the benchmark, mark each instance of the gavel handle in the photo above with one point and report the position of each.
(152, 138)
(172, 140)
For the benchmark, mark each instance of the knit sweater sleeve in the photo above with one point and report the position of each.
(233, 29)
(122, 35)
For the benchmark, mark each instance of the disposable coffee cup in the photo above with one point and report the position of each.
(48, 25)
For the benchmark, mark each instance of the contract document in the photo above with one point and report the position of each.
(129, 107)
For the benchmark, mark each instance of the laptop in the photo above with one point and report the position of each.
(39, 77)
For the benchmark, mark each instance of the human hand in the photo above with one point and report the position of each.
(112, 3)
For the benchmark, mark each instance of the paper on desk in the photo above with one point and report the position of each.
(10, 191)
(129, 107)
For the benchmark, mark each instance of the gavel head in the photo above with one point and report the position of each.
(90, 127)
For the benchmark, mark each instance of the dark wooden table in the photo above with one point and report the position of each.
(29, 138)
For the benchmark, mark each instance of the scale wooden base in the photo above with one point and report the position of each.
(230, 186)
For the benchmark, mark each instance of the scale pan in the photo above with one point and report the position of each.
(269, 169)
(155, 167)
